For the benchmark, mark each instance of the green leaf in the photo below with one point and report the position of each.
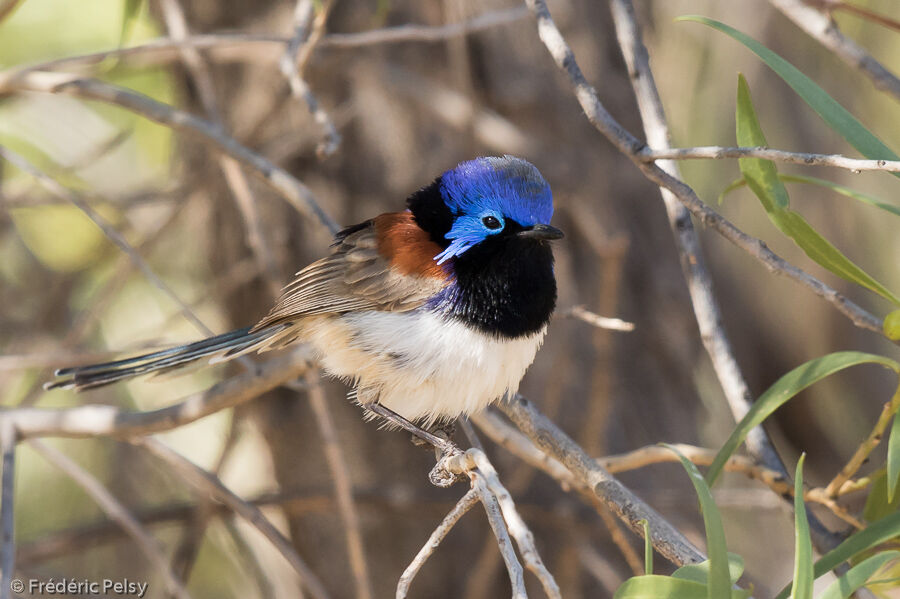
(784, 389)
(803, 556)
(835, 115)
(762, 177)
(874, 534)
(666, 587)
(844, 191)
(130, 13)
(857, 576)
(877, 506)
(893, 451)
(719, 578)
(648, 548)
(700, 572)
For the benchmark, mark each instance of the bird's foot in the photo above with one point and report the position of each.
(443, 430)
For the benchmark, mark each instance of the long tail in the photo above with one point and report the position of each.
(229, 345)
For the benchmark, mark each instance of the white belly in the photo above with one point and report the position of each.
(418, 364)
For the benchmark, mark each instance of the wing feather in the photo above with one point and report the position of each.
(365, 271)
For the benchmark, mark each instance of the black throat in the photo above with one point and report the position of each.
(504, 285)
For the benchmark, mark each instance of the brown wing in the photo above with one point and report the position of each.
(386, 263)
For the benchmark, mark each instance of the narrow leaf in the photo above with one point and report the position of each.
(844, 191)
(700, 572)
(648, 548)
(666, 587)
(893, 452)
(857, 576)
(803, 556)
(784, 389)
(719, 584)
(762, 177)
(835, 115)
(871, 536)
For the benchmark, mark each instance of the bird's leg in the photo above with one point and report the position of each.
(439, 476)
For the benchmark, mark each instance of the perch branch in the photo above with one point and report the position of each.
(667, 540)
(601, 322)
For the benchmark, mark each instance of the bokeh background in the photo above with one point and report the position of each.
(407, 112)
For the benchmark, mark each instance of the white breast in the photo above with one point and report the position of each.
(419, 364)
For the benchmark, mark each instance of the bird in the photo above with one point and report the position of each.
(433, 312)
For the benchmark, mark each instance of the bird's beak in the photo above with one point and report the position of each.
(543, 232)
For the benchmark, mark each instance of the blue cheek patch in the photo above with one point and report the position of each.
(465, 232)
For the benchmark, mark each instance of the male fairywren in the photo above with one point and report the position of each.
(433, 312)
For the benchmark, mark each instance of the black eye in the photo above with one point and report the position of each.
(491, 222)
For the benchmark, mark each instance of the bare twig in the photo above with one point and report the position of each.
(241, 42)
(111, 233)
(865, 448)
(463, 505)
(8, 440)
(632, 147)
(308, 31)
(177, 25)
(667, 540)
(288, 186)
(856, 165)
(343, 487)
(820, 27)
(206, 483)
(117, 512)
(504, 543)
(601, 322)
(693, 264)
(102, 420)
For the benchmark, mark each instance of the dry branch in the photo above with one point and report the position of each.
(288, 186)
(667, 540)
(856, 165)
(113, 508)
(632, 147)
(820, 27)
(206, 483)
(101, 420)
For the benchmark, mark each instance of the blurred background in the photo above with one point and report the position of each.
(407, 112)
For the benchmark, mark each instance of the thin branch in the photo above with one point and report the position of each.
(504, 543)
(308, 30)
(667, 540)
(108, 230)
(206, 483)
(103, 420)
(177, 25)
(693, 263)
(721, 152)
(632, 147)
(601, 322)
(289, 187)
(865, 448)
(116, 512)
(820, 27)
(343, 487)
(462, 506)
(8, 440)
(517, 527)
(7, 9)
